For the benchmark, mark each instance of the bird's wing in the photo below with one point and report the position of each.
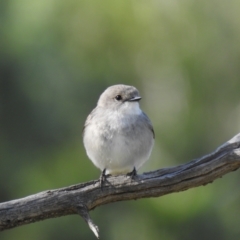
(87, 122)
(149, 124)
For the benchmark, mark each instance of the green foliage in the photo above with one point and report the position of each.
(56, 58)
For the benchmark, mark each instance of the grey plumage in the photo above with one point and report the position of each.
(117, 135)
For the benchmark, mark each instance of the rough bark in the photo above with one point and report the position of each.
(81, 198)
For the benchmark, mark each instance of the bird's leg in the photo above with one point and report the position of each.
(133, 173)
(102, 177)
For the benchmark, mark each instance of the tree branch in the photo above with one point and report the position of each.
(81, 198)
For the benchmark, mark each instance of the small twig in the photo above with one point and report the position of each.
(83, 212)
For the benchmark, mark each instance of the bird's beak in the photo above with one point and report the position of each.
(134, 99)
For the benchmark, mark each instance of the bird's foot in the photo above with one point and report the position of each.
(102, 178)
(133, 173)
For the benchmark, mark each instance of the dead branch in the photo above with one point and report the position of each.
(82, 198)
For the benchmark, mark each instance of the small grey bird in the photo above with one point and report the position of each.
(118, 136)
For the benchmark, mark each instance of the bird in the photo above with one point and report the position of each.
(117, 135)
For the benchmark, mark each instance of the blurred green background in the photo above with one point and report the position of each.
(56, 58)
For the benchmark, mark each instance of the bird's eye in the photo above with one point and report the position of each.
(118, 97)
